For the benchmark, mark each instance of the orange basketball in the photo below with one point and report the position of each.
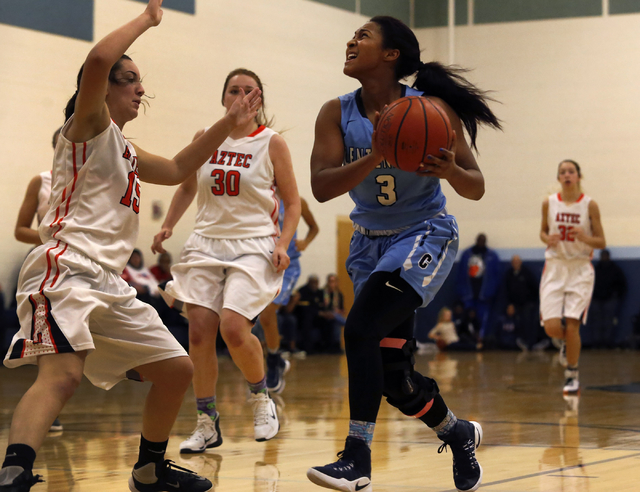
(410, 129)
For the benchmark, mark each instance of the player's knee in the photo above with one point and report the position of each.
(553, 328)
(65, 384)
(181, 372)
(411, 394)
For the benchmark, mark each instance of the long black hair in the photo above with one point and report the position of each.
(71, 105)
(436, 79)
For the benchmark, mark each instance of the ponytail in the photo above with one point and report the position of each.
(435, 79)
(71, 104)
(469, 102)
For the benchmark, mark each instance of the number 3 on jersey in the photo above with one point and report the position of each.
(387, 194)
(225, 182)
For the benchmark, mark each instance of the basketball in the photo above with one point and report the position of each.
(410, 129)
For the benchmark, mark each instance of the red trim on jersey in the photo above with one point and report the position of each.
(73, 185)
(560, 196)
(580, 198)
(48, 265)
(57, 265)
(276, 206)
(259, 129)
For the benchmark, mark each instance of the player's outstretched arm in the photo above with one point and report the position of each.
(160, 170)
(288, 191)
(91, 114)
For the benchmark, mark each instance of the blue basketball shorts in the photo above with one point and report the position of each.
(291, 276)
(424, 254)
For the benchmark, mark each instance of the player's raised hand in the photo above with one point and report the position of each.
(245, 108)
(154, 11)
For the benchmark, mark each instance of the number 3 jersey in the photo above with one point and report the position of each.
(95, 197)
(237, 190)
(388, 198)
(562, 219)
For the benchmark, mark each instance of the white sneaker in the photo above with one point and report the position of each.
(206, 435)
(265, 418)
(571, 384)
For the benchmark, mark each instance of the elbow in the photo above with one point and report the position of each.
(319, 193)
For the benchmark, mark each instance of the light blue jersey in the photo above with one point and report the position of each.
(424, 248)
(388, 198)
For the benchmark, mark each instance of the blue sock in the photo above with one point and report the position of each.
(362, 430)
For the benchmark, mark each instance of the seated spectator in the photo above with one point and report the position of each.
(309, 304)
(608, 292)
(507, 329)
(162, 270)
(445, 335)
(333, 312)
(140, 278)
(288, 326)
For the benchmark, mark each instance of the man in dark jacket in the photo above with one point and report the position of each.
(478, 281)
(609, 290)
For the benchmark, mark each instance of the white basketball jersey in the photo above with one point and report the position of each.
(44, 193)
(237, 191)
(562, 219)
(95, 197)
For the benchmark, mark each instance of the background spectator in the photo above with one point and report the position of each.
(445, 335)
(478, 281)
(609, 290)
(507, 327)
(310, 303)
(162, 270)
(333, 312)
(522, 294)
(140, 278)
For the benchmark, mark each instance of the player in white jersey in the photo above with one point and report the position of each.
(35, 204)
(76, 314)
(571, 229)
(232, 265)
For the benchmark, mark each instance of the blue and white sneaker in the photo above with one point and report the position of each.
(464, 439)
(352, 471)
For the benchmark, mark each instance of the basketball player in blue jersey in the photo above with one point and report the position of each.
(277, 367)
(404, 242)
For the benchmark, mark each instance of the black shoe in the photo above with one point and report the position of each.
(22, 482)
(166, 475)
(352, 471)
(56, 426)
(277, 367)
(463, 441)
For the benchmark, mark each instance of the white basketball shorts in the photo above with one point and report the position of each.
(235, 274)
(68, 303)
(566, 288)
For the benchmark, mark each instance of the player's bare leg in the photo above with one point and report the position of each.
(170, 380)
(246, 352)
(203, 332)
(58, 377)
